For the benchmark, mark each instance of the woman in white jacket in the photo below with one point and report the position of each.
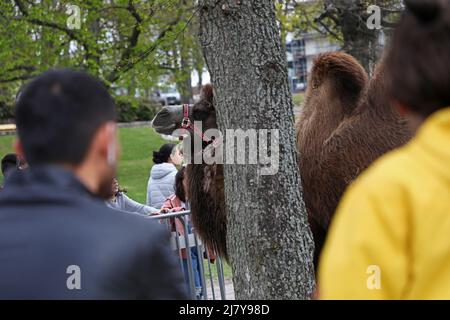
(162, 175)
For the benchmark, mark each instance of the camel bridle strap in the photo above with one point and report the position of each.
(186, 124)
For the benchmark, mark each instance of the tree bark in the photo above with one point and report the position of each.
(200, 79)
(359, 41)
(269, 241)
(184, 84)
(350, 17)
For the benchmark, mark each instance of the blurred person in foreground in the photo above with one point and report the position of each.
(390, 238)
(58, 239)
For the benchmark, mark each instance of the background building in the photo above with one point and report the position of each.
(301, 51)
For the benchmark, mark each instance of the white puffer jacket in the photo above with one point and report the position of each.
(161, 184)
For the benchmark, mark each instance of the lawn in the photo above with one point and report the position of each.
(136, 159)
(5, 147)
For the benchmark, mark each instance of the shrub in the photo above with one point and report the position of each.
(6, 112)
(128, 109)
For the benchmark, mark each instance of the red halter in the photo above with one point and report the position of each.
(187, 124)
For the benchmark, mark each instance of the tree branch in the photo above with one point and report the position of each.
(70, 33)
(125, 63)
(132, 43)
(327, 29)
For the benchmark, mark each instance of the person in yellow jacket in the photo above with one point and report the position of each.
(390, 238)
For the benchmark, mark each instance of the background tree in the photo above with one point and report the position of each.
(345, 21)
(123, 42)
(269, 241)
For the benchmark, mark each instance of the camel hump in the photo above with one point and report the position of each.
(344, 73)
(207, 93)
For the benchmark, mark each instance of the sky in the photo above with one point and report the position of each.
(194, 78)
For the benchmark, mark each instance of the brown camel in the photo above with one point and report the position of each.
(205, 182)
(345, 124)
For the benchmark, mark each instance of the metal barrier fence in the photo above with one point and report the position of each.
(193, 266)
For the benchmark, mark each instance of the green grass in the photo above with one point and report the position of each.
(137, 145)
(226, 269)
(5, 147)
(297, 99)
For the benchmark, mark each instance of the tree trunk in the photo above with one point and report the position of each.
(200, 79)
(185, 84)
(269, 241)
(359, 41)
(183, 78)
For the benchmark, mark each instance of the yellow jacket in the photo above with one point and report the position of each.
(390, 238)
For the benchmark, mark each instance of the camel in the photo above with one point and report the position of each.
(205, 182)
(345, 124)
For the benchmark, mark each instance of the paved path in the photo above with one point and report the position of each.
(229, 290)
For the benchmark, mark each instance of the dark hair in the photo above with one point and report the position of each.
(119, 188)
(179, 188)
(163, 154)
(9, 161)
(58, 113)
(418, 61)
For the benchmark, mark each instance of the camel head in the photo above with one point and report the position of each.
(205, 181)
(170, 117)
